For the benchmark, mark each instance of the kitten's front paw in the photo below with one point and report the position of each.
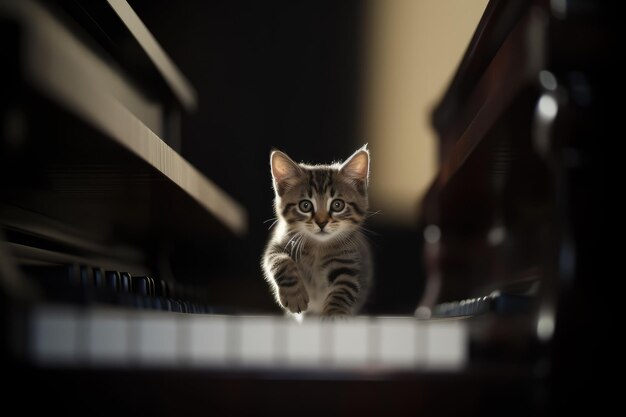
(294, 299)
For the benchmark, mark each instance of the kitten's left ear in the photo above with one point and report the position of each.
(285, 171)
(357, 167)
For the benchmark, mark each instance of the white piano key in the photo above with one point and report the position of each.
(303, 343)
(446, 344)
(208, 340)
(157, 339)
(107, 337)
(400, 342)
(54, 335)
(257, 340)
(349, 342)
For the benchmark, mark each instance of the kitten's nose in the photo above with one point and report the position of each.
(322, 224)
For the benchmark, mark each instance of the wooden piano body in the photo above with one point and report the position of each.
(94, 194)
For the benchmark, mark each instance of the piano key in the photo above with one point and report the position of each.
(107, 338)
(112, 280)
(257, 340)
(98, 278)
(125, 282)
(208, 340)
(86, 278)
(160, 288)
(166, 304)
(54, 335)
(443, 339)
(401, 342)
(141, 286)
(303, 347)
(157, 339)
(175, 306)
(350, 342)
(151, 286)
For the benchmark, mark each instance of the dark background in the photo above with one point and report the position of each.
(273, 74)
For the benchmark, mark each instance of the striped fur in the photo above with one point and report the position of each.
(317, 259)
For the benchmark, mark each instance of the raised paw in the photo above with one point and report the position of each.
(294, 298)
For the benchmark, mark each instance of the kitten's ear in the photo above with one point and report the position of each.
(285, 172)
(357, 167)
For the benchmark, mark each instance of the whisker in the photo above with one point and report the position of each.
(301, 244)
(296, 247)
(373, 213)
(292, 239)
(369, 231)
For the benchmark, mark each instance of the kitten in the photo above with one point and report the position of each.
(317, 259)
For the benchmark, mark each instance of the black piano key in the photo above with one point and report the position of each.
(160, 303)
(98, 278)
(86, 278)
(151, 289)
(176, 306)
(160, 288)
(141, 285)
(112, 280)
(125, 282)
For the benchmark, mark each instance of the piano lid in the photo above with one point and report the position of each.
(117, 28)
(494, 27)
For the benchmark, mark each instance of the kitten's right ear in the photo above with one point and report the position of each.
(285, 172)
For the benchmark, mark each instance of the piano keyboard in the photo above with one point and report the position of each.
(69, 336)
(496, 302)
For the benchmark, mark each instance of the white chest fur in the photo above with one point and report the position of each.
(315, 279)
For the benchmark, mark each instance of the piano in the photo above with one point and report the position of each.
(95, 193)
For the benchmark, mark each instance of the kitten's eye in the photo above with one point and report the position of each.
(305, 206)
(337, 205)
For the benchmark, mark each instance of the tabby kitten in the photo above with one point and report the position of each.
(317, 259)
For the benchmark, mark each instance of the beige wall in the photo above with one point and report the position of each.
(412, 50)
